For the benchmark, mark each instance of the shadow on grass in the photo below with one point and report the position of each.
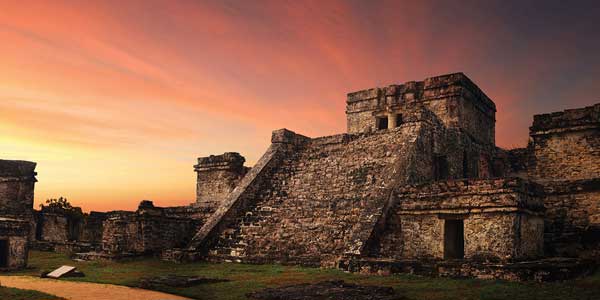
(249, 278)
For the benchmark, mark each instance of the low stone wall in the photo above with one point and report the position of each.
(144, 232)
(52, 227)
(91, 229)
(65, 230)
(543, 270)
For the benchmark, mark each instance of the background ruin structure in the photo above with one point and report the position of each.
(417, 183)
(17, 181)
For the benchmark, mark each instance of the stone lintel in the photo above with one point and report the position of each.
(472, 195)
(470, 211)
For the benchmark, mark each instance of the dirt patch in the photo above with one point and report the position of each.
(83, 290)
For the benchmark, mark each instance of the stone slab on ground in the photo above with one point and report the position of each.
(60, 272)
(327, 290)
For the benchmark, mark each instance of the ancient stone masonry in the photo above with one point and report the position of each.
(566, 145)
(573, 218)
(58, 230)
(417, 177)
(489, 220)
(217, 177)
(149, 230)
(17, 181)
(564, 156)
(453, 98)
(416, 185)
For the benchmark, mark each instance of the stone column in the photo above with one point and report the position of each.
(391, 121)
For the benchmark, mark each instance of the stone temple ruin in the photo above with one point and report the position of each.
(417, 185)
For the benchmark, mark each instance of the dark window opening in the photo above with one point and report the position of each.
(3, 253)
(382, 123)
(484, 167)
(440, 167)
(39, 228)
(454, 239)
(465, 165)
(398, 120)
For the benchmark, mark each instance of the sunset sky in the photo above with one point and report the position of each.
(115, 100)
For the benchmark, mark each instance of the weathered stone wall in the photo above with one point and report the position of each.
(531, 229)
(52, 227)
(566, 145)
(91, 230)
(502, 220)
(61, 231)
(572, 218)
(453, 98)
(217, 177)
(17, 181)
(15, 232)
(146, 231)
(517, 162)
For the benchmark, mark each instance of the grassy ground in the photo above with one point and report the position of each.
(248, 278)
(17, 294)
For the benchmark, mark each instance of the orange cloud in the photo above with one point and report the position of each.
(115, 99)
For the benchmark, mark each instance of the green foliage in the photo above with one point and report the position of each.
(246, 278)
(62, 205)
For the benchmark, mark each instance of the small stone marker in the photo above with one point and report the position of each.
(60, 272)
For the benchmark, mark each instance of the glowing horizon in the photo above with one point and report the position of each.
(115, 100)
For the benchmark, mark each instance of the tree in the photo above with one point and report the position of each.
(62, 205)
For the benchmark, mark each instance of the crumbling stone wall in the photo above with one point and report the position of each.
(17, 181)
(502, 220)
(61, 231)
(146, 231)
(566, 145)
(453, 98)
(15, 233)
(91, 229)
(52, 227)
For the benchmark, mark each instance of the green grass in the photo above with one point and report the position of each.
(247, 278)
(17, 294)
